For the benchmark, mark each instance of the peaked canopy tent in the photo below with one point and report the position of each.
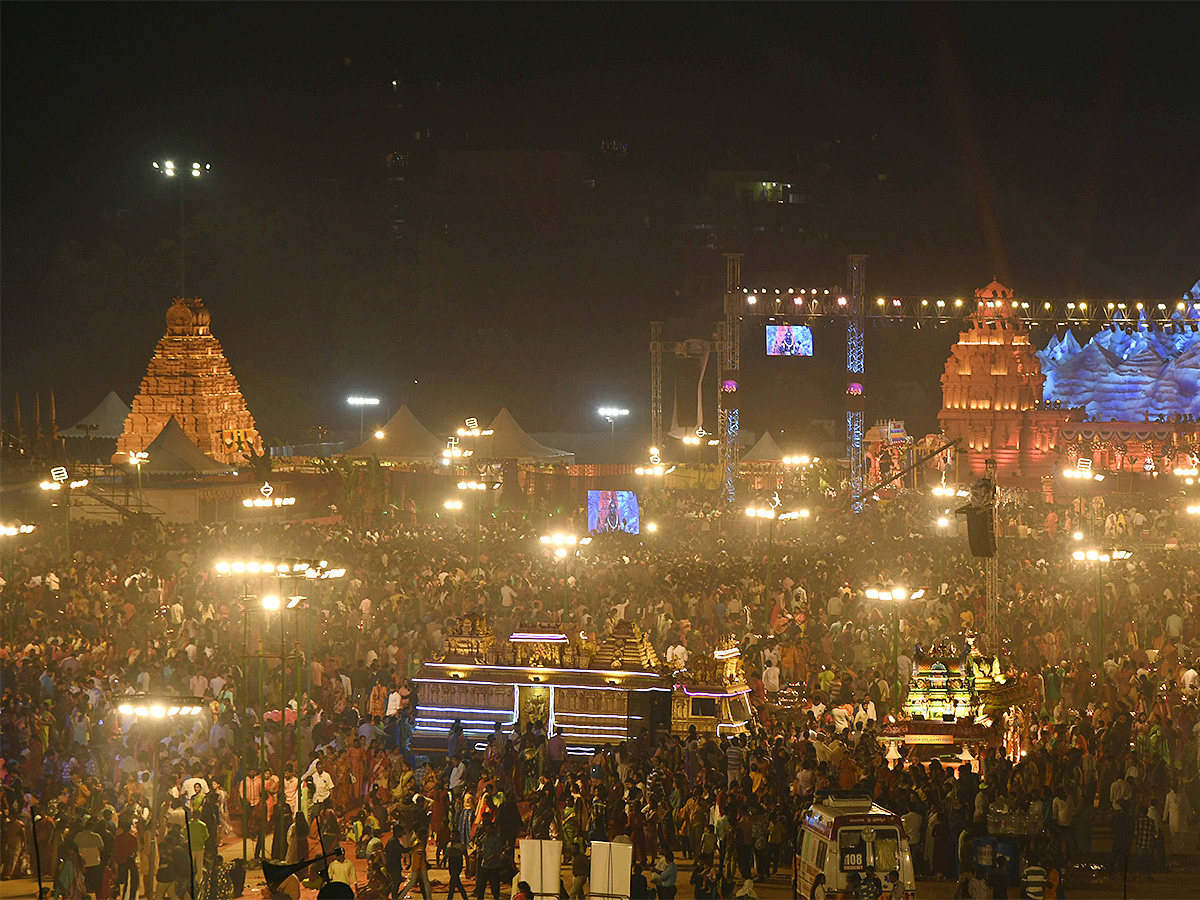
(106, 421)
(765, 451)
(509, 440)
(173, 453)
(404, 439)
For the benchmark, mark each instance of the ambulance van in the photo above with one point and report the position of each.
(842, 835)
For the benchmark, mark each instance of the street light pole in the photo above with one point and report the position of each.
(895, 596)
(611, 414)
(164, 709)
(362, 403)
(1100, 557)
(168, 170)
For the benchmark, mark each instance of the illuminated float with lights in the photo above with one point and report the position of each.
(592, 693)
(959, 701)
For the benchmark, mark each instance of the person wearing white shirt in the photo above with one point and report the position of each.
(322, 784)
(394, 702)
(1177, 816)
(198, 685)
(1174, 626)
(771, 680)
(1189, 681)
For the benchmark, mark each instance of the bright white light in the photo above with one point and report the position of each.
(872, 593)
(158, 711)
(612, 412)
(293, 602)
(899, 593)
(271, 602)
(652, 526)
(943, 522)
(379, 434)
(363, 401)
(560, 552)
(126, 709)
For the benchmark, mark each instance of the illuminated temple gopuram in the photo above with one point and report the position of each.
(189, 379)
(1127, 399)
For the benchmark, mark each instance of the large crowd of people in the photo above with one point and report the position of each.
(142, 608)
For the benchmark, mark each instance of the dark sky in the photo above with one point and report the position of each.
(1052, 146)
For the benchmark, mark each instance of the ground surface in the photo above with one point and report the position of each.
(1181, 883)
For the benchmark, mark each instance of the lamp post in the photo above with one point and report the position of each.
(66, 487)
(139, 458)
(1100, 557)
(560, 545)
(1082, 473)
(772, 514)
(803, 463)
(157, 711)
(291, 570)
(362, 403)
(168, 170)
(11, 531)
(611, 414)
(273, 603)
(478, 488)
(894, 596)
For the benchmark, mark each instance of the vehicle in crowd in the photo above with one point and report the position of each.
(594, 694)
(844, 834)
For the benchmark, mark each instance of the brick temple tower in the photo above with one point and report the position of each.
(190, 379)
(992, 393)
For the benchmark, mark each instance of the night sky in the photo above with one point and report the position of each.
(1054, 147)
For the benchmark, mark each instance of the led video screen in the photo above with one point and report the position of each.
(613, 511)
(789, 340)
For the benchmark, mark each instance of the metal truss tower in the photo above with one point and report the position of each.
(656, 349)
(729, 343)
(856, 267)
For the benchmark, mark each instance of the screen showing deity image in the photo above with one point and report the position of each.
(789, 340)
(613, 511)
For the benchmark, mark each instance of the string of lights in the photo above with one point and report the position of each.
(819, 303)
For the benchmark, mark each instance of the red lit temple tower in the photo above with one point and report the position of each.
(190, 379)
(991, 393)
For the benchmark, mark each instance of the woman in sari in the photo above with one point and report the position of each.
(297, 843)
(569, 827)
(69, 883)
(357, 755)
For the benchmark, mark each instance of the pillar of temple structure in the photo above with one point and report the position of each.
(190, 379)
(992, 391)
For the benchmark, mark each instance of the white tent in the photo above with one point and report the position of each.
(404, 439)
(765, 451)
(173, 453)
(106, 421)
(509, 440)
